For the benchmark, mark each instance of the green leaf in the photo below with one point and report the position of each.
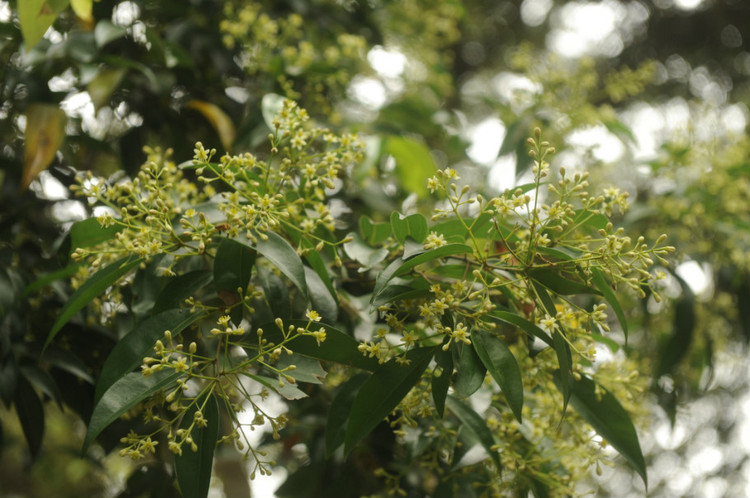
(307, 369)
(123, 395)
(597, 278)
(285, 258)
(275, 293)
(320, 297)
(287, 390)
(44, 134)
(338, 346)
(610, 343)
(104, 84)
(400, 267)
(338, 414)
(106, 31)
(585, 218)
(373, 233)
(441, 383)
(233, 265)
(315, 260)
(128, 353)
(676, 347)
(83, 9)
(466, 440)
(382, 392)
(47, 279)
(362, 253)
(470, 370)
(562, 350)
(522, 323)
(547, 303)
(516, 135)
(417, 288)
(89, 233)
(193, 469)
(42, 381)
(35, 16)
(554, 281)
(503, 367)
(69, 362)
(180, 288)
(94, 286)
(146, 286)
(622, 131)
(31, 414)
(610, 420)
(414, 226)
(414, 164)
(475, 423)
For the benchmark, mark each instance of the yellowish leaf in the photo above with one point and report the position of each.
(35, 16)
(103, 84)
(83, 9)
(218, 119)
(45, 130)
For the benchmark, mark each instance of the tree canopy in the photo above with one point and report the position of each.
(414, 248)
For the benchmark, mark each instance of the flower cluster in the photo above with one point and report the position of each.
(525, 256)
(278, 45)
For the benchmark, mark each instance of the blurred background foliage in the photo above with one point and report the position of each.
(648, 96)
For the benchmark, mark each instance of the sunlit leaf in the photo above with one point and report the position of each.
(382, 392)
(503, 367)
(94, 286)
(286, 390)
(83, 9)
(414, 226)
(193, 468)
(45, 131)
(306, 369)
(89, 233)
(362, 253)
(373, 233)
(414, 164)
(36, 16)
(219, 120)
